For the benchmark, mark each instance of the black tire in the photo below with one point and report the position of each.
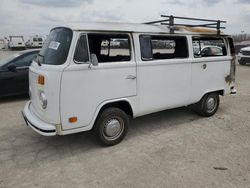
(111, 121)
(208, 105)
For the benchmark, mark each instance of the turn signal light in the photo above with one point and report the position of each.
(41, 80)
(73, 119)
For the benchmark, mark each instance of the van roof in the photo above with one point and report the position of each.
(140, 28)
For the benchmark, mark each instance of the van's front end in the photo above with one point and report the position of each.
(42, 112)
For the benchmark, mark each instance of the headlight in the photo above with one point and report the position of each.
(43, 100)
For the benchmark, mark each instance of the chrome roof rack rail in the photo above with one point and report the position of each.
(207, 23)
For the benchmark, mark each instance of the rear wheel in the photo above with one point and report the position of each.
(208, 105)
(111, 126)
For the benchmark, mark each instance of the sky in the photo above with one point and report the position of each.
(31, 17)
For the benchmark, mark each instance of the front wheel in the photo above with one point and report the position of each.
(208, 105)
(111, 126)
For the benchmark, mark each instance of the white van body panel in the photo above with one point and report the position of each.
(163, 84)
(51, 88)
(208, 75)
(130, 100)
(84, 89)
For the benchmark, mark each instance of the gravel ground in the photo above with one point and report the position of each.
(173, 148)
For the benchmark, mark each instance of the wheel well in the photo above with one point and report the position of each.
(123, 105)
(220, 92)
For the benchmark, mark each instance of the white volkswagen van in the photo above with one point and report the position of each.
(35, 42)
(98, 75)
(16, 42)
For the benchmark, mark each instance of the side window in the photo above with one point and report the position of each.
(81, 52)
(146, 48)
(110, 48)
(208, 47)
(163, 47)
(25, 60)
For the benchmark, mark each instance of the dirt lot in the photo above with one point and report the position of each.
(173, 148)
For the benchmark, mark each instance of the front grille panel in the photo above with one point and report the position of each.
(246, 52)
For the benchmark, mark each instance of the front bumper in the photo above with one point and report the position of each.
(36, 124)
(244, 59)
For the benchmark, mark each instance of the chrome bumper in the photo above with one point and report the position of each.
(36, 124)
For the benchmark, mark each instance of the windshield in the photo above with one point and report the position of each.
(37, 39)
(56, 48)
(8, 59)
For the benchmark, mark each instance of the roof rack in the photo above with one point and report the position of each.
(170, 21)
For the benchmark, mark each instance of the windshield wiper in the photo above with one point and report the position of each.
(38, 62)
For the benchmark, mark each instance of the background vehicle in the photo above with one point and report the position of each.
(86, 82)
(244, 56)
(6, 43)
(2, 44)
(35, 42)
(14, 73)
(16, 42)
(208, 51)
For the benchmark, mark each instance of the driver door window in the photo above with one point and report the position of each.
(25, 61)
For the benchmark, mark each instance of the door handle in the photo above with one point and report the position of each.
(204, 66)
(131, 77)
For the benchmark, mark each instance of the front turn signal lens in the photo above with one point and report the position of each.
(41, 80)
(73, 119)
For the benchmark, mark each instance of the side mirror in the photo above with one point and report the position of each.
(12, 67)
(94, 60)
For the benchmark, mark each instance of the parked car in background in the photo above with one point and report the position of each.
(2, 45)
(208, 51)
(16, 42)
(35, 42)
(244, 56)
(6, 43)
(14, 73)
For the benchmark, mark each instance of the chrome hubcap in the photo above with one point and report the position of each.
(113, 129)
(211, 104)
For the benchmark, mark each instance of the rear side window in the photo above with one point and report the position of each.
(208, 47)
(163, 47)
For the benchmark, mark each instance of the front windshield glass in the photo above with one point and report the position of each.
(56, 48)
(8, 59)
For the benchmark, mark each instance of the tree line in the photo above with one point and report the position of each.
(241, 37)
